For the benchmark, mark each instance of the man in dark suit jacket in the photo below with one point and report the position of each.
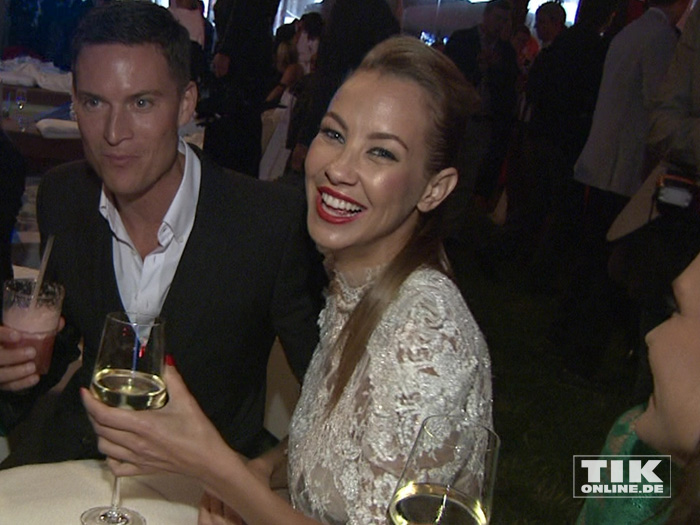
(244, 67)
(246, 270)
(13, 171)
(490, 64)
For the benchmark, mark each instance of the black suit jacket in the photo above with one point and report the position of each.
(464, 47)
(248, 273)
(12, 173)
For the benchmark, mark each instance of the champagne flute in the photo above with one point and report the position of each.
(449, 475)
(21, 101)
(127, 375)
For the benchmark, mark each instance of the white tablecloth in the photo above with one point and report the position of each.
(58, 493)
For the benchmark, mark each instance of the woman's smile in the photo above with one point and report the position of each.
(337, 208)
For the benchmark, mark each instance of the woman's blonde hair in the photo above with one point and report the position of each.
(450, 100)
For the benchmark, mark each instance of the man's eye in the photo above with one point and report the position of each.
(143, 103)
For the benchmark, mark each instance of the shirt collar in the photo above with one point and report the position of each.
(180, 216)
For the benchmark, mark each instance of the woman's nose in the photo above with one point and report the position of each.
(343, 168)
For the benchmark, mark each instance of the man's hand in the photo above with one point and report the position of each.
(17, 368)
(220, 64)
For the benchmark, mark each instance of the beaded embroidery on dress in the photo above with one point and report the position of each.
(427, 356)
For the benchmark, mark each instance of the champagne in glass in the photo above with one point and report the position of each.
(448, 477)
(128, 375)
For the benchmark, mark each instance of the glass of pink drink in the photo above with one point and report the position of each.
(36, 322)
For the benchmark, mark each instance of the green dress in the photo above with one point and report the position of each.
(622, 439)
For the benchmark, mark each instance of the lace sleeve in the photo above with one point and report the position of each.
(426, 357)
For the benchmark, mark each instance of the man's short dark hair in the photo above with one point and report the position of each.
(661, 3)
(552, 11)
(133, 23)
(506, 5)
(313, 24)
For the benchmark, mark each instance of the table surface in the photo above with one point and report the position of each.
(58, 493)
(39, 152)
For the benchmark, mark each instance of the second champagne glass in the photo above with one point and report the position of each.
(128, 374)
(449, 475)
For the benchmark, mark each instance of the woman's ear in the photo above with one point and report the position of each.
(438, 188)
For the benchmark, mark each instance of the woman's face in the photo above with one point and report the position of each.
(674, 356)
(365, 170)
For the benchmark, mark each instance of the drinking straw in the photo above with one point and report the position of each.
(42, 271)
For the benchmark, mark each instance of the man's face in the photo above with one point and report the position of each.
(547, 28)
(495, 21)
(129, 108)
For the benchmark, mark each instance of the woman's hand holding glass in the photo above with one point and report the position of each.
(173, 439)
(128, 376)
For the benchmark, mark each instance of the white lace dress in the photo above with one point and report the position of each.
(427, 356)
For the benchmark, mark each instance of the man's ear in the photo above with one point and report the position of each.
(188, 104)
(438, 188)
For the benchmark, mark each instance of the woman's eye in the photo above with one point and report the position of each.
(331, 134)
(383, 153)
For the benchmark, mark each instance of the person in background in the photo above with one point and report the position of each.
(647, 260)
(398, 342)
(149, 224)
(550, 21)
(307, 38)
(189, 14)
(243, 69)
(562, 87)
(14, 171)
(289, 72)
(614, 159)
(613, 165)
(490, 64)
(674, 133)
(4, 22)
(669, 423)
(347, 37)
(526, 48)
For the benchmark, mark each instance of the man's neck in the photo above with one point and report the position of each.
(143, 215)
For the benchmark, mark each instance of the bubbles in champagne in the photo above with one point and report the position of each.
(431, 504)
(129, 389)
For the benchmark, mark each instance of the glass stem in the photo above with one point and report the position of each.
(114, 515)
(116, 493)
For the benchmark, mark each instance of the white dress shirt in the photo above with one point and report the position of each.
(144, 283)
